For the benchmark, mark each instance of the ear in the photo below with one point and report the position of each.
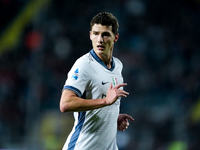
(90, 35)
(116, 37)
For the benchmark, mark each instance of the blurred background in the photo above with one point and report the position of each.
(158, 46)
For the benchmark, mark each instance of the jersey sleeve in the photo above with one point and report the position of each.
(78, 77)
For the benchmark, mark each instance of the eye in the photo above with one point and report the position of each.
(95, 33)
(106, 34)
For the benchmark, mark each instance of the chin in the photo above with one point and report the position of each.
(99, 50)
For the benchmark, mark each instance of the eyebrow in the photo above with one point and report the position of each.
(95, 31)
(105, 32)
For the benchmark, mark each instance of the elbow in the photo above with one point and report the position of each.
(64, 108)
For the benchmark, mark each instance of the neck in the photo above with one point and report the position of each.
(107, 59)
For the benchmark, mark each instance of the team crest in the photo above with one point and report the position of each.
(75, 74)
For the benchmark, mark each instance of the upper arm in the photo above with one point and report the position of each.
(66, 98)
(75, 85)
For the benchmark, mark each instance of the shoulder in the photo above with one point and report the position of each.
(117, 62)
(83, 61)
(82, 65)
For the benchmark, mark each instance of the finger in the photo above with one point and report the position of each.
(120, 85)
(125, 93)
(122, 93)
(127, 124)
(124, 128)
(129, 117)
(124, 125)
(120, 128)
(110, 87)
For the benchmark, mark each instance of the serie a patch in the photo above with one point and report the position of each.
(75, 74)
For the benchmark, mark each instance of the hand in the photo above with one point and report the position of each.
(122, 122)
(114, 93)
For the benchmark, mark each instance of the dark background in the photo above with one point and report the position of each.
(158, 46)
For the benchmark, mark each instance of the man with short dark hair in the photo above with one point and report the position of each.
(93, 91)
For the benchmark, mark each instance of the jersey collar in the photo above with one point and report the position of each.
(94, 55)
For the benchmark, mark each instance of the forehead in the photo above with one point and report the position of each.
(101, 28)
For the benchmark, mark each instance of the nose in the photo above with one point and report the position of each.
(100, 38)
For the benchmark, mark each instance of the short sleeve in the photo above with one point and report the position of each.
(78, 77)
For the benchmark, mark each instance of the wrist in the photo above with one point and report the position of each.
(106, 102)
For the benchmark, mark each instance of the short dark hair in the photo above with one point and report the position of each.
(105, 19)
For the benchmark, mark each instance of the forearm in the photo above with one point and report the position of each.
(70, 102)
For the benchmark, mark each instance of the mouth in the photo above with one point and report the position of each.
(100, 47)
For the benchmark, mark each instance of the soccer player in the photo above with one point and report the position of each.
(93, 91)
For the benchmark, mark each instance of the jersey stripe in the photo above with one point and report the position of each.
(94, 55)
(74, 138)
(73, 89)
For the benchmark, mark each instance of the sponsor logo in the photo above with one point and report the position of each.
(103, 83)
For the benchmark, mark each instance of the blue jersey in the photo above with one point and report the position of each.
(94, 129)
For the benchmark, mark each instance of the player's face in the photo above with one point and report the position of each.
(103, 39)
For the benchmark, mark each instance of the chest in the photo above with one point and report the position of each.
(101, 78)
